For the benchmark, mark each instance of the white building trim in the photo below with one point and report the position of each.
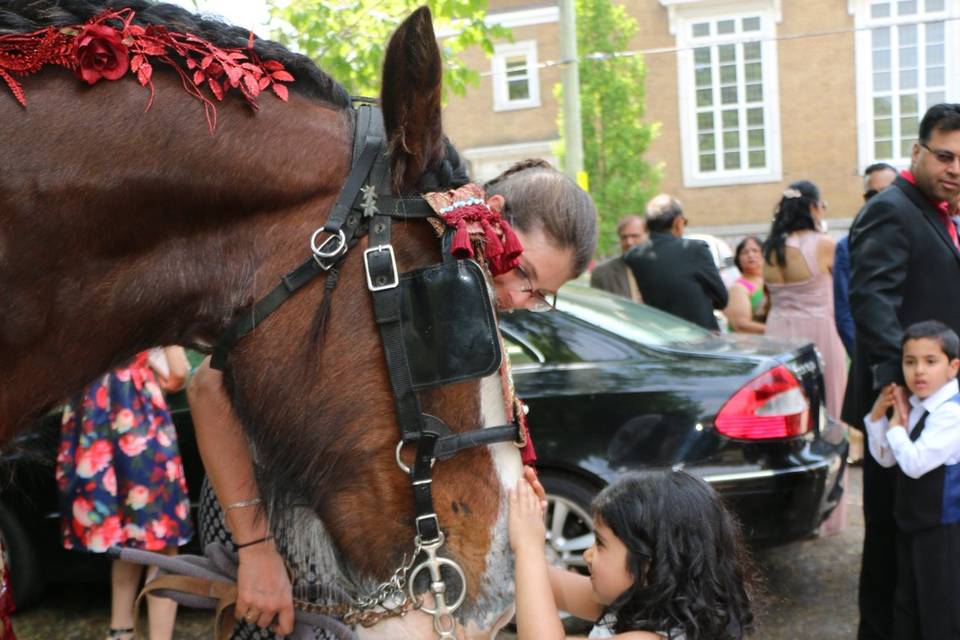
(509, 19)
(489, 161)
(501, 90)
(707, 8)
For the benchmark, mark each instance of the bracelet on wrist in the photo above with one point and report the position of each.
(253, 542)
(243, 503)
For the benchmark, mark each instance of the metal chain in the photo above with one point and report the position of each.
(361, 611)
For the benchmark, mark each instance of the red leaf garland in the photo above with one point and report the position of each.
(99, 49)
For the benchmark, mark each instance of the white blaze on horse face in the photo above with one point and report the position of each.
(506, 456)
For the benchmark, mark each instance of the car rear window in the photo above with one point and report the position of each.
(638, 322)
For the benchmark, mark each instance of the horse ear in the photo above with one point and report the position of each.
(410, 98)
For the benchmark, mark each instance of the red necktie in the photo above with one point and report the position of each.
(951, 228)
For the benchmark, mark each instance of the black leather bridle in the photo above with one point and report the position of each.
(367, 205)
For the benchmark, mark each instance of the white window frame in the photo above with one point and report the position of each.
(501, 94)
(683, 15)
(863, 22)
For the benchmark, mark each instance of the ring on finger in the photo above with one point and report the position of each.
(251, 615)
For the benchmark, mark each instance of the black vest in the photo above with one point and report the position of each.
(931, 500)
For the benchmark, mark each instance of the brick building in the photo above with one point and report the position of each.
(750, 95)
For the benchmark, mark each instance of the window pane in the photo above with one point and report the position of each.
(881, 38)
(882, 107)
(728, 74)
(906, 7)
(909, 126)
(755, 117)
(882, 128)
(935, 76)
(934, 32)
(731, 160)
(935, 97)
(758, 159)
(727, 52)
(701, 55)
(704, 77)
(707, 142)
(728, 95)
(908, 57)
(518, 90)
(908, 34)
(882, 149)
(754, 92)
(880, 10)
(755, 138)
(908, 79)
(752, 72)
(704, 121)
(934, 55)
(731, 140)
(708, 162)
(731, 118)
(751, 51)
(726, 26)
(704, 97)
(906, 147)
(881, 59)
(701, 29)
(753, 24)
(908, 104)
(881, 81)
(934, 5)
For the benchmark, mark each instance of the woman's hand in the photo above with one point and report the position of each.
(526, 518)
(883, 402)
(264, 594)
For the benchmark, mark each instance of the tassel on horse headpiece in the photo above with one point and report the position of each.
(481, 232)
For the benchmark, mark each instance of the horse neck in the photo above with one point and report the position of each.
(121, 229)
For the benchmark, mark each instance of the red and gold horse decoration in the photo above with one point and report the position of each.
(109, 45)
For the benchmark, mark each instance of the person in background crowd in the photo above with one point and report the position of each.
(747, 308)
(674, 274)
(877, 177)
(904, 268)
(614, 275)
(121, 478)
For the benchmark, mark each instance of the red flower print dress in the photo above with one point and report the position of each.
(119, 471)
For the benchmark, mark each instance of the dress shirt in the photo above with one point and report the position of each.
(939, 443)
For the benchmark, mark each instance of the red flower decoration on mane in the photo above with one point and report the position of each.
(101, 53)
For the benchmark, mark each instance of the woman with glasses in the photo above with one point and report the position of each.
(798, 273)
(555, 222)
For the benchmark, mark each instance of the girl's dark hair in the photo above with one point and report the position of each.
(743, 245)
(537, 196)
(934, 330)
(685, 554)
(792, 214)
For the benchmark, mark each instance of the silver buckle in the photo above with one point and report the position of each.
(393, 282)
(324, 254)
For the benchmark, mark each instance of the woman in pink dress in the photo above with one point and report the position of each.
(798, 273)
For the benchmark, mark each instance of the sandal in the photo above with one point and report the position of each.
(119, 634)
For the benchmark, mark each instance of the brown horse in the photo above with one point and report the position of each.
(122, 228)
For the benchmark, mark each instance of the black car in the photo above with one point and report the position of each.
(612, 387)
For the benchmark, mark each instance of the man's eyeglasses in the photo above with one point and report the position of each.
(942, 155)
(539, 301)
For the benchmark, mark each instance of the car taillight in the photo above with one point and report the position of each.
(772, 405)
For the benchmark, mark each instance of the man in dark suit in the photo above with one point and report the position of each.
(614, 275)
(905, 267)
(674, 274)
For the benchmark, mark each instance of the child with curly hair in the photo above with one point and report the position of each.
(667, 563)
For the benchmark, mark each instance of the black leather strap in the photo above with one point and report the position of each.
(448, 446)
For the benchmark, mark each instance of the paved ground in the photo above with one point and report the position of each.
(810, 592)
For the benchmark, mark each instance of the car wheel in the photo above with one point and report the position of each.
(568, 521)
(26, 580)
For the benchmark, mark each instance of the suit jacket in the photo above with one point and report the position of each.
(841, 293)
(612, 276)
(904, 269)
(679, 276)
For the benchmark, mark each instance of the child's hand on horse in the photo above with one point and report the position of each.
(530, 475)
(526, 518)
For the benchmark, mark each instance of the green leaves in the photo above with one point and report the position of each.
(612, 108)
(347, 38)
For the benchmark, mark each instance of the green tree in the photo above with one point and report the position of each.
(348, 38)
(612, 107)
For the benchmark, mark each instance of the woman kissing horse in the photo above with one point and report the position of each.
(121, 229)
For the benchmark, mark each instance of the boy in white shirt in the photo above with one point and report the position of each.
(922, 439)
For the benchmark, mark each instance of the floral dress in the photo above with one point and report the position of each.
(119, 471)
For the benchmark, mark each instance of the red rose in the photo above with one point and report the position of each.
(101, 53)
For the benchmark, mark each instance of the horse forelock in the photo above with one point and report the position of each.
(22, 16)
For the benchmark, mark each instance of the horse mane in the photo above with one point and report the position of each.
(23, 16)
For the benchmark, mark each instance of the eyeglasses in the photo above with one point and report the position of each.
(942, 155)
(539, 301)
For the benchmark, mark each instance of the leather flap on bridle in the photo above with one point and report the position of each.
(448, 324)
